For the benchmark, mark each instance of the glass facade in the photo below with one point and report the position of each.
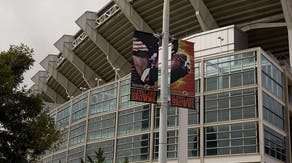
(229, 139)
(231, 105)
(230, 71)
(74, 155)
(226, 117)
(63, 116)
(79, 108)
(275, 145)
(77, 134)
(101, 127)
(134, 120)
(272, 78)
(103, 99)
(136, 148)
(59, 158)
(172, 144)
(106, 146)
(273, 111)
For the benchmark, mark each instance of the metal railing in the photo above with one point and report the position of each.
(79, 39)
(105, 16)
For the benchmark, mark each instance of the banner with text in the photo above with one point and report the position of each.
(182, 79)
(144, 77)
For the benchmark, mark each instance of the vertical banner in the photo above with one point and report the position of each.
(144, 77)
(182, 79)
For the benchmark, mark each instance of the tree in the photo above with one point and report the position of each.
(26, 130)
(99, 156)
(126, 160)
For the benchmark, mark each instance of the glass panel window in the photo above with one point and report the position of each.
(63, 116)
(106, 146)
(79, 108)
(172, 117)
(59, 158)
(134, 120)
(193, 116)
(125, 94)
(77, 133)
(272, 78)
(230, 71)
(63, 139)
(273, 111)
(231, 139)
(238, 104)
(103, 99)
(74, 155)
(172, 144)
(193, 142)
(197, 77)
(101, 127)
(274, 144)
(135, 148)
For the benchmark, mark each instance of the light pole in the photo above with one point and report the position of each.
(116, 73)
(98, 81)
(162, 155)
(82, 89)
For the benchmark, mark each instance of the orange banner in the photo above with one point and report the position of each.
(182, 79)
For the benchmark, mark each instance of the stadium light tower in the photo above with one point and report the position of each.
(162, 155)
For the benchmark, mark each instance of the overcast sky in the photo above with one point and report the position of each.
(39, 24)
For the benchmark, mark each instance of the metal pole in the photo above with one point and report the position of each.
(162, 155)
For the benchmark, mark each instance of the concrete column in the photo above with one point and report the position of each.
(203, 15)
(183, 136)
(260, 108)
(133, 16)
(87, 23)
(40, 79)
(290, 45)
(49, 64)
(64, 45)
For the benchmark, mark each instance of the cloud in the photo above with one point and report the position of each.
(40, 23)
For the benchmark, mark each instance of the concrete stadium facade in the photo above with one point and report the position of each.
(243, 81)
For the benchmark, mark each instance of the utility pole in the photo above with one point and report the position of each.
(162, 155)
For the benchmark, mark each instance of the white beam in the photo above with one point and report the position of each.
(133, 16)
(49, 64)
(87, 23)
(64, 45)
(287, 11)
(262, 25)
(262, 20)
(40, 80)
(203, 15)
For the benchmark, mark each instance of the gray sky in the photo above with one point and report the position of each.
(39, 24)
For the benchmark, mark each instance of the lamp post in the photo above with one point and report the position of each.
(98, 81)
(82, 89)
(116, 73)
(162, 155)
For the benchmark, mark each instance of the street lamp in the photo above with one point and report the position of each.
(82, 89)
(98, 81)
(116, 73)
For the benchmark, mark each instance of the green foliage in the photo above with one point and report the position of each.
(81, 160)
(26, 129)
(126, 160)
(90, 159)
(99, 156)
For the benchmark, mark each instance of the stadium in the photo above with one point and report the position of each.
(243, 84)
